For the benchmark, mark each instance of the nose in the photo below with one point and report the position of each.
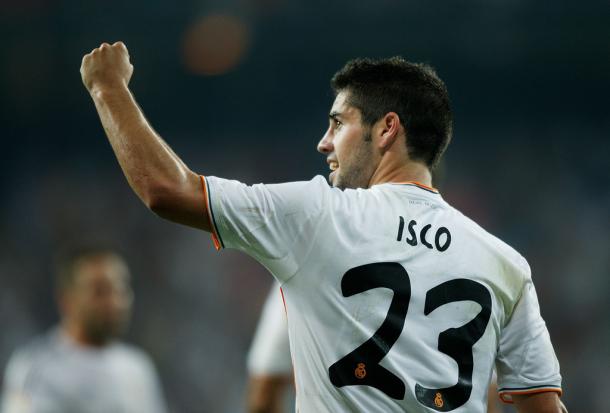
(325, 146)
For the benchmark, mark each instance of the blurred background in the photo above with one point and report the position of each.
(240, 90)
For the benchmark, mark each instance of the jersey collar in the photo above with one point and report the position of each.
(418, 185)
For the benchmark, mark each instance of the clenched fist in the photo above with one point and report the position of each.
(106, 67)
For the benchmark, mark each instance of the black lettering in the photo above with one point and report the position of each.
(401, 227)
(437, 239)
(458, 342)
(422, 236)
(361, 367)
(413, 240)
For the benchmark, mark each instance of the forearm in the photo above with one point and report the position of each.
(155, 173)
(146, 160)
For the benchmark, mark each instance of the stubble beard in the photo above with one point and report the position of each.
(102, 331)
(358, 171)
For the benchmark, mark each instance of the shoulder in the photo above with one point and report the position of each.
(28, 358)
(130, 356)
(266, 200)
(220, 186)
(129, 351)
(507, 257)
(313, 191)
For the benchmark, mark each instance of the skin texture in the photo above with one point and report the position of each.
(266, 393)
(96, 307)
(155, 173)
(493, 401)
(366, 155)
(547, 402)
(354, 151)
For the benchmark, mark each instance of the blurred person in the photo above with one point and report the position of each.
(79, 366)
(376, 252)
(269, 364)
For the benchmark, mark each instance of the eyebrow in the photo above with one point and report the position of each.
(334, 115)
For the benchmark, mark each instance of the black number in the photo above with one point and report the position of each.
(456, 342)
(361, 366)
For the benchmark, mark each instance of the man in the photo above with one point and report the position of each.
(79, 367)
(379, 253)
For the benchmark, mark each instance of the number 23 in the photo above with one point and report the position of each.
(361, 366)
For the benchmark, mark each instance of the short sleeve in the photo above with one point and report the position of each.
(526, 362)
(273, 223)
(269, 353)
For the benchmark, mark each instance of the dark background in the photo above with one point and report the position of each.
(529, 82)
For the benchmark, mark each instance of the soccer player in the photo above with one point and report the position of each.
(269, 364)
(395, 301)
(79, 366)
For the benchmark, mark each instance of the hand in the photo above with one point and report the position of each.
(106, 67)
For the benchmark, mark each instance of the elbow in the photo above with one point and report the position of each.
(171, 199)
(159, 199)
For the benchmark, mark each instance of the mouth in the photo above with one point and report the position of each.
(334, 167)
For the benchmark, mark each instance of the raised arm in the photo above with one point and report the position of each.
(156, 174)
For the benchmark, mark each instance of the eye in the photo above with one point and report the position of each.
(338, 124)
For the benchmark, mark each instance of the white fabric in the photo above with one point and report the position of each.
(269, 353)
(309, 235)
(523, 350)
(54, 375)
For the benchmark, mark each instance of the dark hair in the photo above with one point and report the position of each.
(412, 90)
(68, 261)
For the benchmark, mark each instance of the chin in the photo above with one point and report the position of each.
(104, 333)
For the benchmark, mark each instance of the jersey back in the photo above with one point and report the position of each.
(395, 300)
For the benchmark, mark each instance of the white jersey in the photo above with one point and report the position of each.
(269, 353)
(54, 375)
(396, 302)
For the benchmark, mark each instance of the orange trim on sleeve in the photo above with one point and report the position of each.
(503, 394)
(214, 235)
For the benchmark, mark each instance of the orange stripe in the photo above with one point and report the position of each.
(417, 184)
(207, 208)
(284, 301)
(502, 394)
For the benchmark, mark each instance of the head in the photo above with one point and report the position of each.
(383, 106)
(94, 295)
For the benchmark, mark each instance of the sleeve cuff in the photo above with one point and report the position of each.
(506, 393)
(216, 239)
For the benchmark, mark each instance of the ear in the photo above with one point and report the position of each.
(388, 130)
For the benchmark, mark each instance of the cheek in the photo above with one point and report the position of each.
(342, 147)
(351, 148)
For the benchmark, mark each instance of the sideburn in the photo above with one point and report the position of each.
(368, 136)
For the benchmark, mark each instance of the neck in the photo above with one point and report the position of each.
(76, 334)
(392, 171)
